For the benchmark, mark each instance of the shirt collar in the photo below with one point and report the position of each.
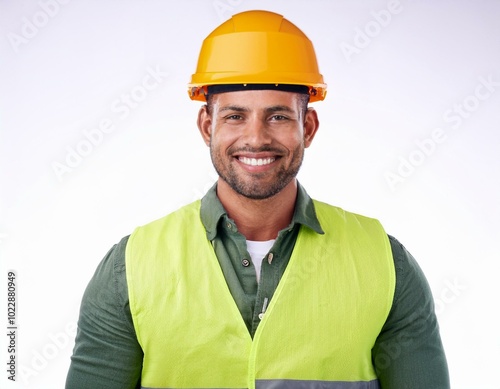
(212, 211)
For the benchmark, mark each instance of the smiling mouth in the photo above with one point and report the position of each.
(256, 161)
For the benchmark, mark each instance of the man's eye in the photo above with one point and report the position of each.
(233, 117)
(278, 117)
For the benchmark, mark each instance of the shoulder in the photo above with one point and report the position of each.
(410, 280)
(410, 336)
(113, 263)
(106, 294)
(411, 283)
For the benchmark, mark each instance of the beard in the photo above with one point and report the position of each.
(256, 186)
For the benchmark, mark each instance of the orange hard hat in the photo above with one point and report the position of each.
(257, 48)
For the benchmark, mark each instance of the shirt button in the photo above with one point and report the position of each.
(270, 258)
(229, 225)
(245, 262)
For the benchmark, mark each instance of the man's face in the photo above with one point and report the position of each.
(257, 139)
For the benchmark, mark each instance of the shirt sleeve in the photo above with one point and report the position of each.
(106, 353)
(408, 352)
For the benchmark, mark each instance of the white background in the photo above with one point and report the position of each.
(398, 73)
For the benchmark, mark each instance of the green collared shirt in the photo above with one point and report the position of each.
(407, 354)
(231, 249)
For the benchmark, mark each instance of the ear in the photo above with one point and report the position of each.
(204, 123)
(311, 125)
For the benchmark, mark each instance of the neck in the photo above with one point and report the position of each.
(259, 219)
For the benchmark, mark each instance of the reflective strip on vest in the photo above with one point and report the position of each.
(305, 384)
(319, 327)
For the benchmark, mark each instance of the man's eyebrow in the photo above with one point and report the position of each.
(268, 110)
(235, 108)
(280, 108)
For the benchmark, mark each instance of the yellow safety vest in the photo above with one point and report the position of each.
(317, 332)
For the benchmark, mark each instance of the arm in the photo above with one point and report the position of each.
(106, 354)
(408, 352)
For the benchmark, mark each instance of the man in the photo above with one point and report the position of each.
(258, 285)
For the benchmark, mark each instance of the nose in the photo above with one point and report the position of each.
(257, 133)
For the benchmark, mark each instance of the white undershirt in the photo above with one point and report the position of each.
(258, 250)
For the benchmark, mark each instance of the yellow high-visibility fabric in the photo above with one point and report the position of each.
(321, 323)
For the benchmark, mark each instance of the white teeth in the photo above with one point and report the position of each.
(256, 161)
